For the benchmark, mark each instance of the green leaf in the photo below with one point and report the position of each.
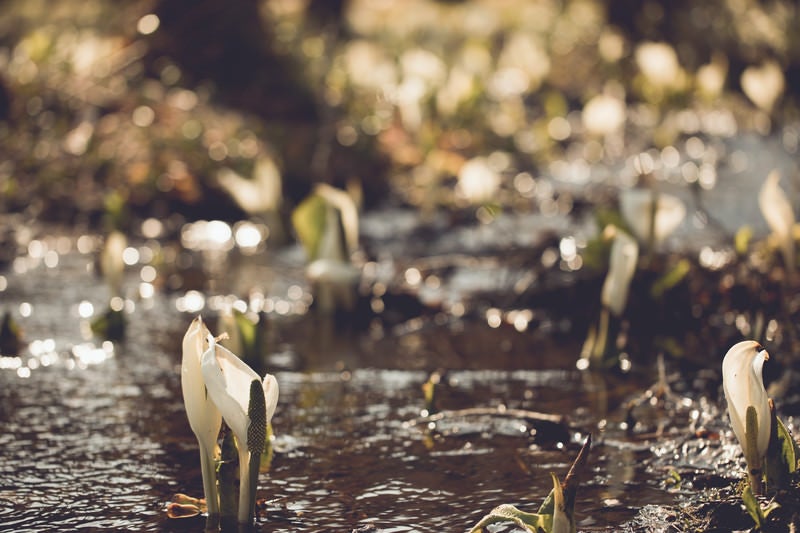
(110, 325)
(789, 447)
(508, 513)
(742, 239)
(752, 506)
(782, 454)
(10, 336)
(252, 336)
(670, 279)
(543, 520)
(548, 505)
(228, 479)
(309, 220)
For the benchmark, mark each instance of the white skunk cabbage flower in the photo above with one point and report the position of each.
(637, 210)
(347, 214)
(743, 384)
(247, 404)
(327, 225)
(622, 266)
(763, 84)
(112, 265)
(262, 193)
(204, 417)
(778, 212)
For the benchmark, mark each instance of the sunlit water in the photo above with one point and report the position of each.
(94, 436)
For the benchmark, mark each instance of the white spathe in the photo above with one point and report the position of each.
(260, 194)
(204, 417)
(778, 213)
(621, 267)
(228, 380)
(347, 212)
(763, 84)
(112, 265)
(636, 206)
(743, 385)
(710, 79)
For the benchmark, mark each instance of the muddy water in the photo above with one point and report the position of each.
(94, 437)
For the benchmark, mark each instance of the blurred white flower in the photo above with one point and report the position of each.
(621, 267)
(112, 265)
(763, 84)
(743, 385)
(636, 206)
(260, 194)
(711, 76)
(778, 212)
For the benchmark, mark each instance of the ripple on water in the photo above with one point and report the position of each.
(103, 447)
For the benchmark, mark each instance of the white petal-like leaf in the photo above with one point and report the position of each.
(743, 385)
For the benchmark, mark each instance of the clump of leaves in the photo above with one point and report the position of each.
(556, 514)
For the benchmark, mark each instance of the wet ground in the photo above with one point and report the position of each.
(95, 436)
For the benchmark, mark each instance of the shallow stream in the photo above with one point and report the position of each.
(95, 436)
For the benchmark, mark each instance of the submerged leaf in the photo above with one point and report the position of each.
(508, 513)
(556, 514)
(182, 510)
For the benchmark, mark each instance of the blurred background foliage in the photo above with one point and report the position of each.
(141, 105)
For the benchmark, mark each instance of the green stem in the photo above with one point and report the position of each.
(247, 486)
(600, 347)
(209, 470)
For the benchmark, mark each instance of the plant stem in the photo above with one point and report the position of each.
(208, 469)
